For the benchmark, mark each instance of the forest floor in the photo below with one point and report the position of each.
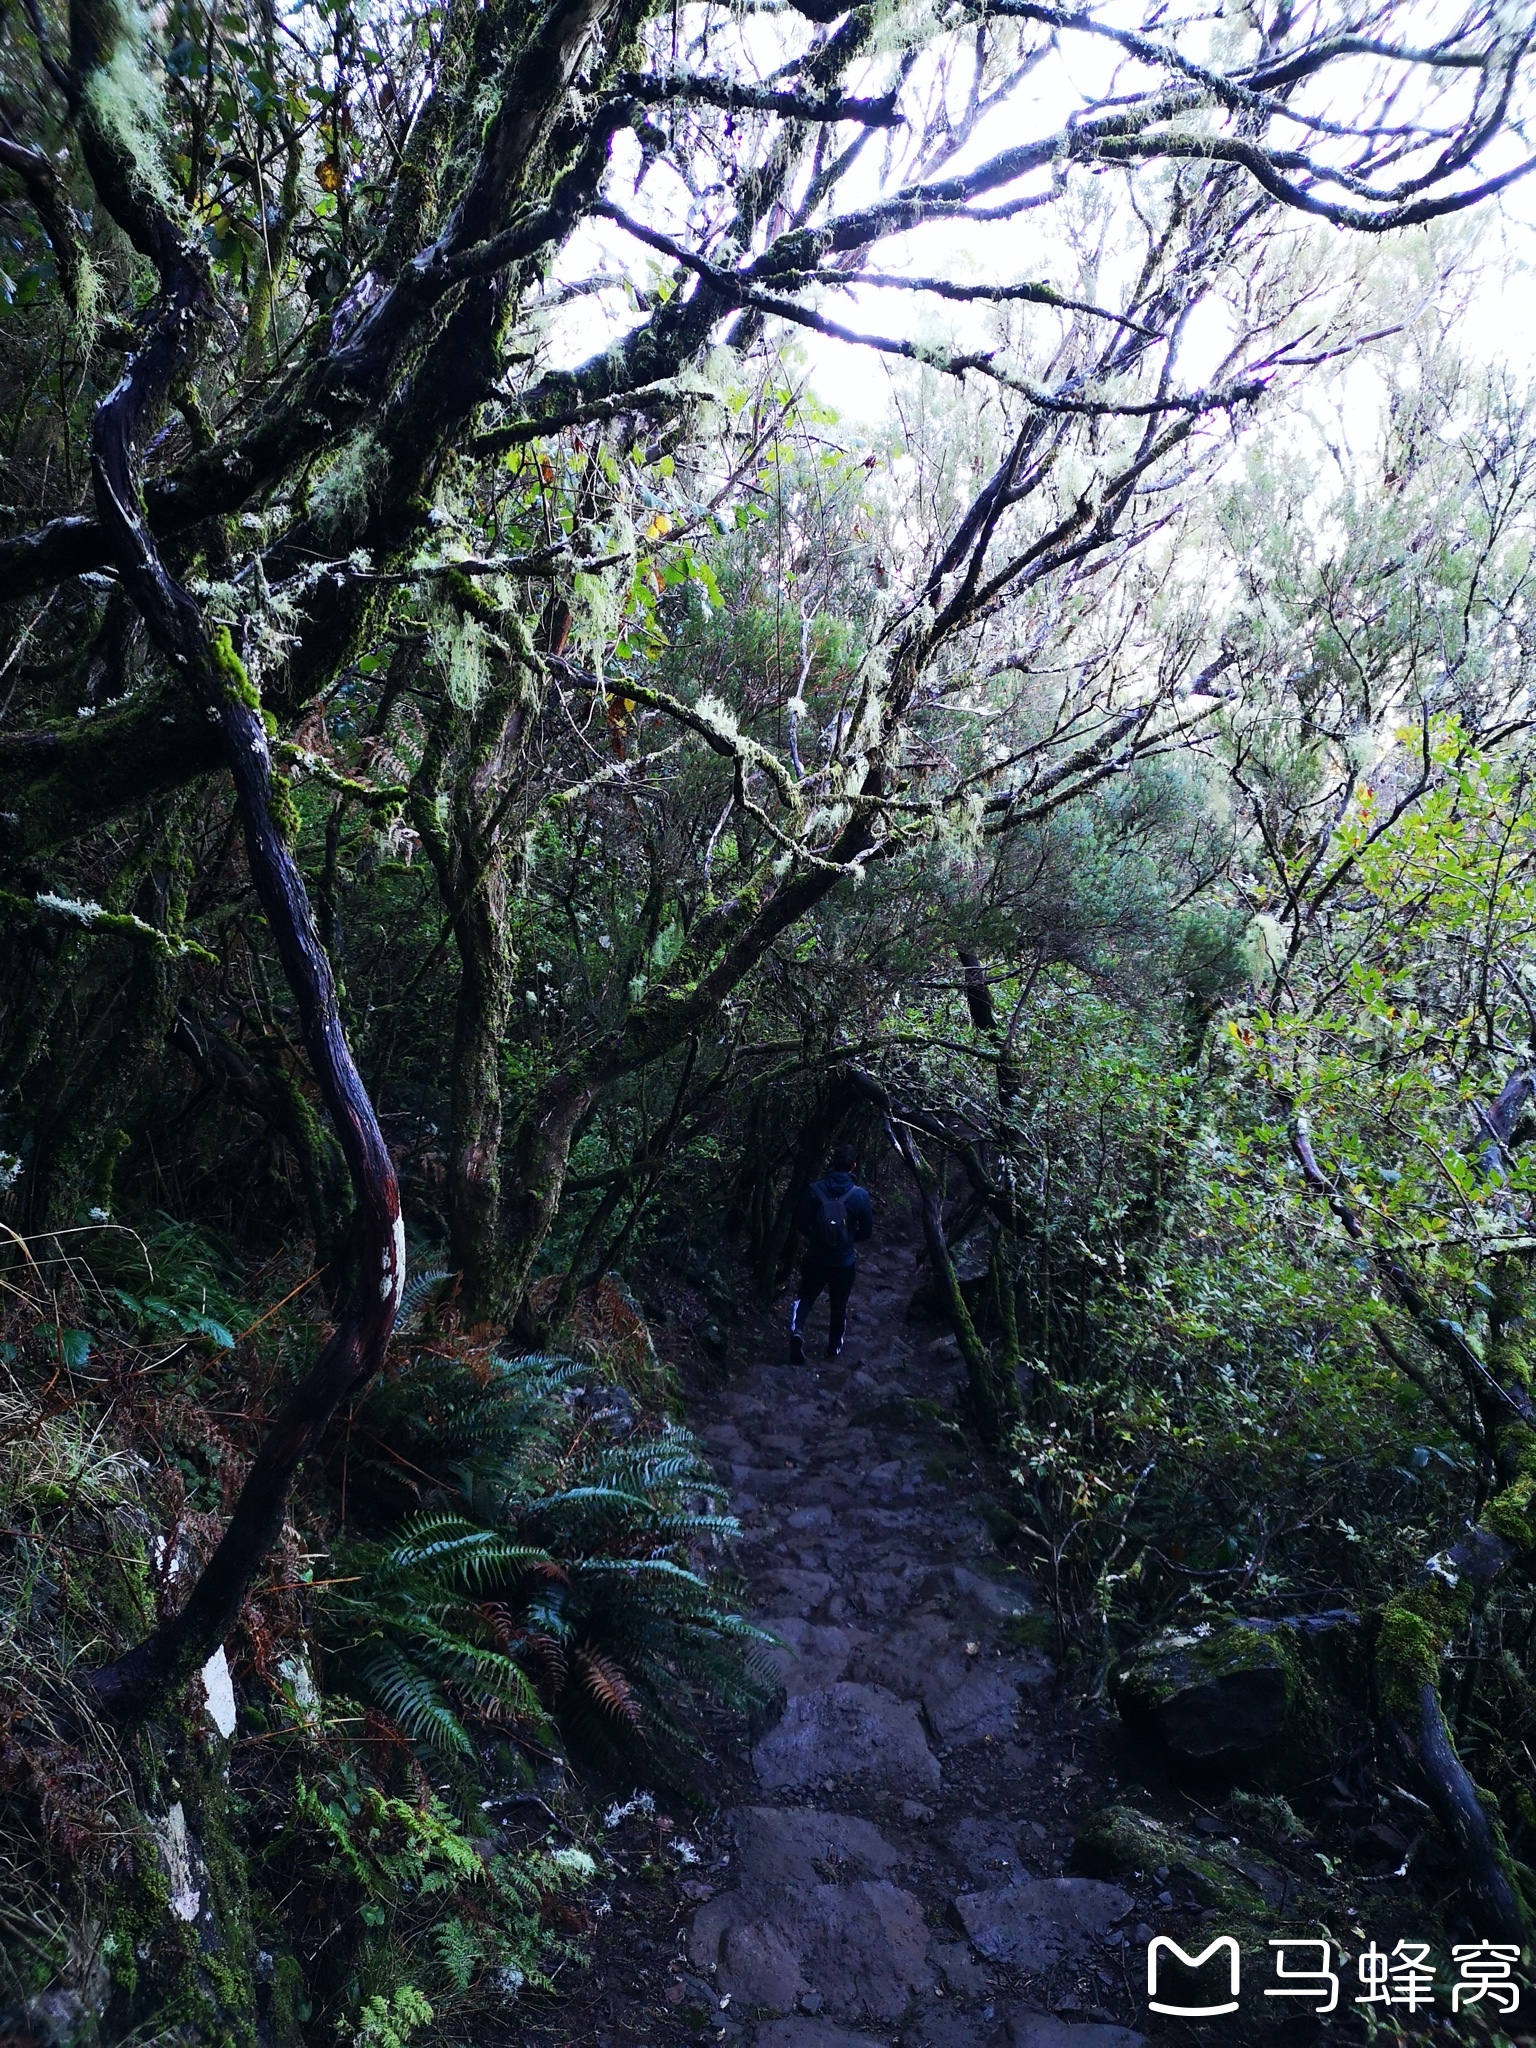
(886, 1859)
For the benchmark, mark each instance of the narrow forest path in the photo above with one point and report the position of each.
(891, 1868)
(896, 1867)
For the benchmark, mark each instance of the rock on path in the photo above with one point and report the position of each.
(887, 1883)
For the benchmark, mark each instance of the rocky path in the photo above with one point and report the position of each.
(895, 1871)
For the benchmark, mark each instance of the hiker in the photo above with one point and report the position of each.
(834, 1218)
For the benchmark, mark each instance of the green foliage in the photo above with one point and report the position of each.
(390, 2023)
(564, 1577)
(443, 1914)
(319, 1842)
(172, 1277)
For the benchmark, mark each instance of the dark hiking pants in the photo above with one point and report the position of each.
(838, 1282)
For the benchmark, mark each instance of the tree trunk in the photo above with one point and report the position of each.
(475, 1107)
(1464, 1819)
(124, 424)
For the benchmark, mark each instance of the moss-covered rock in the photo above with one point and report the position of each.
(1261, 1696)
(179, 1949)
(1121, 1844)
(1207, 1693)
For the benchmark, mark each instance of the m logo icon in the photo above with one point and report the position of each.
(1191, 2012)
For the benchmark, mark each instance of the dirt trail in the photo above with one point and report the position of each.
(893, 1871)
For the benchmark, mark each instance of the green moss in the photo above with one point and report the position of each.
(1506, 1319)
(289, 2005)
(1416, 1628)
(470, 599)
(1239, 1649)
(170, 1977)
(1170, 1664)
(285, 812)
(231, 671)
(1119, 1843)
(121, 99)
(1512, 1513)
(340, 501)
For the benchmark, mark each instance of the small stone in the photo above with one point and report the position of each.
(958, 1968)
(54, 2019)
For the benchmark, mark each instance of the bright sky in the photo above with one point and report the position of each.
(1500, 319)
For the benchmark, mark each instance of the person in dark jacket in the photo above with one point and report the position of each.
(835, 1217)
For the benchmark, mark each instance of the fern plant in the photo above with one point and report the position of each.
(437, 1912)
(525, 1572)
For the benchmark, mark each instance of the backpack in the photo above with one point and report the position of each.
(830, 1234)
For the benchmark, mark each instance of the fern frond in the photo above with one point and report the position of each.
(559, 1571)
(607, 1685)
(415, 1702)
(638, 1568)
(413, 1296)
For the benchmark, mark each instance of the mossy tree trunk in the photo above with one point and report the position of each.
(460, 797)
(123, 426)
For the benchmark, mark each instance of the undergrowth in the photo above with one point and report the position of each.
(497, 1568)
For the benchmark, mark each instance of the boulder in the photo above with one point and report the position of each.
(809, 1655)
(982, 1602)
(966, 1698)
(1207, 1692)
(855, 1948)
(788, 1845)
(817, 1924)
